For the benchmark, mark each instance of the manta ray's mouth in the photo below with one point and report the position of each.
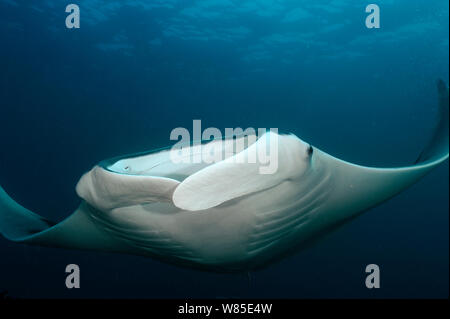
(178, 163)
(148, 177)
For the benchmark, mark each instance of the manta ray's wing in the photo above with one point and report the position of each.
(78, 231)
(360, 188)
(437, 148)
(18, 222)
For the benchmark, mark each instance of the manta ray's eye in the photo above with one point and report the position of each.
(127, 168)
(310, 150)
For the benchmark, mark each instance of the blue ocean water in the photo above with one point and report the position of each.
(136, 69)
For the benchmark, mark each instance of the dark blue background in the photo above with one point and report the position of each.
(130, 74)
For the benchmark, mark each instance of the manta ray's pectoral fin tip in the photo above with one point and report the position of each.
(437, 147)
(17, 222)
(418, 158)
(442, 87)
(78, 231)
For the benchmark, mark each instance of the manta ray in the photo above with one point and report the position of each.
(222, 216)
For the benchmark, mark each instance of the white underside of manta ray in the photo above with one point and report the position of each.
(223, 216)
